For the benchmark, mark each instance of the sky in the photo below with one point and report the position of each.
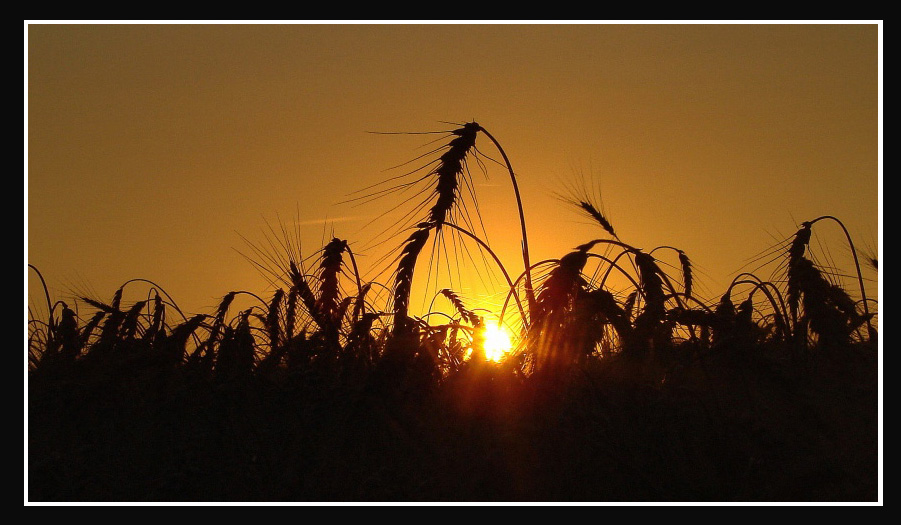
(163, 151)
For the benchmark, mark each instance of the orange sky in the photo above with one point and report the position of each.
(152, 149)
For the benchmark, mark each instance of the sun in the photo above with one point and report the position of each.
(497, 342)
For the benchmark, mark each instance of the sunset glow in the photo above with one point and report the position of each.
(454, 262)
(150, 110)
(498, 342)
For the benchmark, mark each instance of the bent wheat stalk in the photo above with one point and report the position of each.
(863, 293)
(500, 265)
(530, 293)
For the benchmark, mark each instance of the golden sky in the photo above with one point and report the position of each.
(153, 149)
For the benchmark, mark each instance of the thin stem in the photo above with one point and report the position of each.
(530, 293)
(497, 260)
(863, 293)
(46, 293)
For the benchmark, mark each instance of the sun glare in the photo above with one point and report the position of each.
(497, 342)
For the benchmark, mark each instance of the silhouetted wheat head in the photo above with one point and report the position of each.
(321, 315)
(447, 175)
(623, 377)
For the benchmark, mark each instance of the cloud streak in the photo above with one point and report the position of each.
(317, 222)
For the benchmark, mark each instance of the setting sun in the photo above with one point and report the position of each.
(497, 342)
(445, 263)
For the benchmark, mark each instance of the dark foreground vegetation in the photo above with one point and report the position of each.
(330, 390)
(737, 431)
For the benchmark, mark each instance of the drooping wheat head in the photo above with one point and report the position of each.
(466, 314)
(449, 170)
(593, 211)
(551, 321)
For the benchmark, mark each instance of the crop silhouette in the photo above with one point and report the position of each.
(332, 388)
